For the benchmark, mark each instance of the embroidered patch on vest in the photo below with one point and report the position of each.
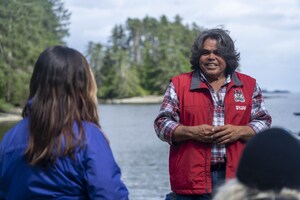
(240, 107)
(238, 96)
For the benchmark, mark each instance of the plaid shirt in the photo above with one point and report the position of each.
(168, 117)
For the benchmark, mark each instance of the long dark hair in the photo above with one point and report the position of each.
(225, 46)
(62, 95)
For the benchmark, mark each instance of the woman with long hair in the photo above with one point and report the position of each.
(58, 150)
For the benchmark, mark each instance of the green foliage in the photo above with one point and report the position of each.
(139, 58)
(142, 56)
(27, 27)
(4, 106)
(19, 78)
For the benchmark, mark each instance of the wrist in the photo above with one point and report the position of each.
(182, 133)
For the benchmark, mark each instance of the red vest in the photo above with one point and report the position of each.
(189, 161)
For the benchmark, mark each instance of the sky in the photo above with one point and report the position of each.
(266, 32)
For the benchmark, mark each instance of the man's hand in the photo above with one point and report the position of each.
(230, 133)
(201, 133)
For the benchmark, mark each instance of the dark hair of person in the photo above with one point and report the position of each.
(62, 96)
(225, 47)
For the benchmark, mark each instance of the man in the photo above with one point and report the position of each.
(207, 115)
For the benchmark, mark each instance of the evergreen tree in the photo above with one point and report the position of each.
(26, 28)
(95, 57)
(142, 55)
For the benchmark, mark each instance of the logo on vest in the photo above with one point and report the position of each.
(240, 107)
(238, 96)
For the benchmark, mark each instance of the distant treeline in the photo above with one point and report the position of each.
(27, 27)
(141, 56)
(138, 58)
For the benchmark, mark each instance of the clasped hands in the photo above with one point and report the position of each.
(218, 135)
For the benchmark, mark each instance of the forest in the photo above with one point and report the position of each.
(138, 58)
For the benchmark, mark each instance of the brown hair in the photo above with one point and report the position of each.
(62, 96)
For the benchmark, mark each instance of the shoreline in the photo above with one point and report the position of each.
(9, 117)
(15, 115)
(133, 100)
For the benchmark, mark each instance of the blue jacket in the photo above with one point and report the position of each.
(94, 174)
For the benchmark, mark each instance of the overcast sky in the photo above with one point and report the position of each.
(266, 32)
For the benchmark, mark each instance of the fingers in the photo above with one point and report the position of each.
(220, 128)
(224, 134)
(218, 135)
(224, 140)
(205, 133)
(228, 137)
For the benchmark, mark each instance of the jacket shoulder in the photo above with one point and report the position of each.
(17, 135)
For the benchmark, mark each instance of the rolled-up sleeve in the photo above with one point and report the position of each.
(260, 117)
(168, 118)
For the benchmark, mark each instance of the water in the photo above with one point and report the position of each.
(282, 108)
(143, 158)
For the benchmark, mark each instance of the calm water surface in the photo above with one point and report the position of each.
(282, 108)
(143, 158)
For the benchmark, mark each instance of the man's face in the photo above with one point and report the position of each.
(211, 63)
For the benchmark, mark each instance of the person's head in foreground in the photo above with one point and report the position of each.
(58, 150)
(62, 91)
(269, 169)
